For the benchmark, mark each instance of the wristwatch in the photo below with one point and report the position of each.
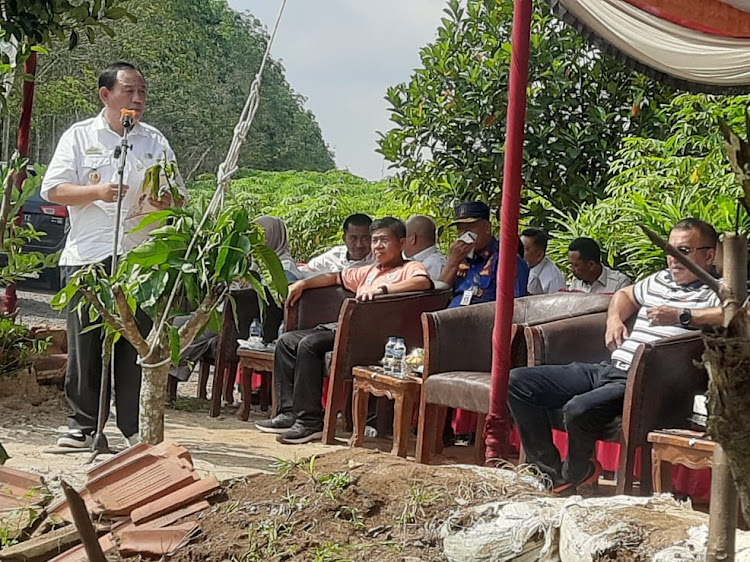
(686, 317)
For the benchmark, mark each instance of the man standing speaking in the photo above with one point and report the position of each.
(83, 175)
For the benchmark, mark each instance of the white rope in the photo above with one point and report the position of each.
(226, 170)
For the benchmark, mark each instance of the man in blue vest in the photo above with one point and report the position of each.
(471, 267)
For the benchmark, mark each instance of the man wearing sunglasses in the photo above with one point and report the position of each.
(667, 303)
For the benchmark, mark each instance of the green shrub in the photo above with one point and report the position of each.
(659, 182)
(314, 204)
(18, 348)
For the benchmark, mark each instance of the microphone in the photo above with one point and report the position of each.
(127, 118)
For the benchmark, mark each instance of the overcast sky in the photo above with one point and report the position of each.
(342, 55)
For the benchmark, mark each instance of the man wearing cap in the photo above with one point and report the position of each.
(471, 266)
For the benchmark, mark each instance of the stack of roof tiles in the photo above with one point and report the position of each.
(136, 499)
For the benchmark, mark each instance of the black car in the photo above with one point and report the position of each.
(52, 219)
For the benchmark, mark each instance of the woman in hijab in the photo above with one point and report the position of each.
(206, 343)
(276, 239)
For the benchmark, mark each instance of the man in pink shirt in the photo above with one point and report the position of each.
(299, 359)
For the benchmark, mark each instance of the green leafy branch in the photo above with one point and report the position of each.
(228, 249)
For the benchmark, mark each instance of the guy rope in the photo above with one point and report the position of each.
(226, 170)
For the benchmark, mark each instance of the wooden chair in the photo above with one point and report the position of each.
(458, 348)
(247, 306)
(662, 381)
(363, 330)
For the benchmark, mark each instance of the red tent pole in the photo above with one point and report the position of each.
(497, 428)
(24, 140)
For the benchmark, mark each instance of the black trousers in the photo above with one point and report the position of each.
(84, 373)
(590, 395)
(298, 372)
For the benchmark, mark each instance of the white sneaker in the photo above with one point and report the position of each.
(75, 439)
(133, 440)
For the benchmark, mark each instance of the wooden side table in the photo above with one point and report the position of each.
(403, 390)
(688, 448)
(261, 362)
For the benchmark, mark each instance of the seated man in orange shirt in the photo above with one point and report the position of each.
(299, 359)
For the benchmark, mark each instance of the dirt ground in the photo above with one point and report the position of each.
(352, 504)
(33, 416)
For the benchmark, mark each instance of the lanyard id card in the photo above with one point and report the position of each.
(467, 296)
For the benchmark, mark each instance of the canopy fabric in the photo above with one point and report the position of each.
(695, 45)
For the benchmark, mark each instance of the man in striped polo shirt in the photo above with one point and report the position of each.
(668, 303)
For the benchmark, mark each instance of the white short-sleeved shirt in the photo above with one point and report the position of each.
(609, 281)
(545, 277)
(657, 290)
(334, 260)
(85, 156)
(432, 260)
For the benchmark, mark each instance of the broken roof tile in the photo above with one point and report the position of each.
(16, 482)
(119, 492)
(174, 516)
(155, 541)
(175, 500)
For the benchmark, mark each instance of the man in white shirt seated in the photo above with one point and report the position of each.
(420, 245)
(355, 252)
(545, 277)
(589, 274)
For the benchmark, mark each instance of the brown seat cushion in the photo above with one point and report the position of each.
(468, 390)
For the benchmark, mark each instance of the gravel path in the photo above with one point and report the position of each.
(34, 308)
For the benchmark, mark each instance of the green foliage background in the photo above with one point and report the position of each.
(448, 133)
(658, 182)
(314, 204)
(199, 58)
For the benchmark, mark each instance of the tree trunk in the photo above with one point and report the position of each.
(24, 136)
(152, 404)
(728, 361)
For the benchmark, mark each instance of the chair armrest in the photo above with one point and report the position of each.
(315, 306)
(662, 381)
(564, 341)
(364, 327)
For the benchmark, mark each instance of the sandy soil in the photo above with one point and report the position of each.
(33, 416)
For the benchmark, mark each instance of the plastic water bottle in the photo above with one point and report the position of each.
(399, 358)
(256, 334)
(388, 357)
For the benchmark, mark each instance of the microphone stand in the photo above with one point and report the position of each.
(100, 445)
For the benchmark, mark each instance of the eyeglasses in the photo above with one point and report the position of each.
(686, 250)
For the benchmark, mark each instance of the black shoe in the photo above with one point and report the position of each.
(462, 439)
(593, 471)
(281, 423)
(75, 439)
(300, 433)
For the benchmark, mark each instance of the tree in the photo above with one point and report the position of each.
(658, 182)
(200, 279)
(28, 26)
(450, 116)
(199, 70)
